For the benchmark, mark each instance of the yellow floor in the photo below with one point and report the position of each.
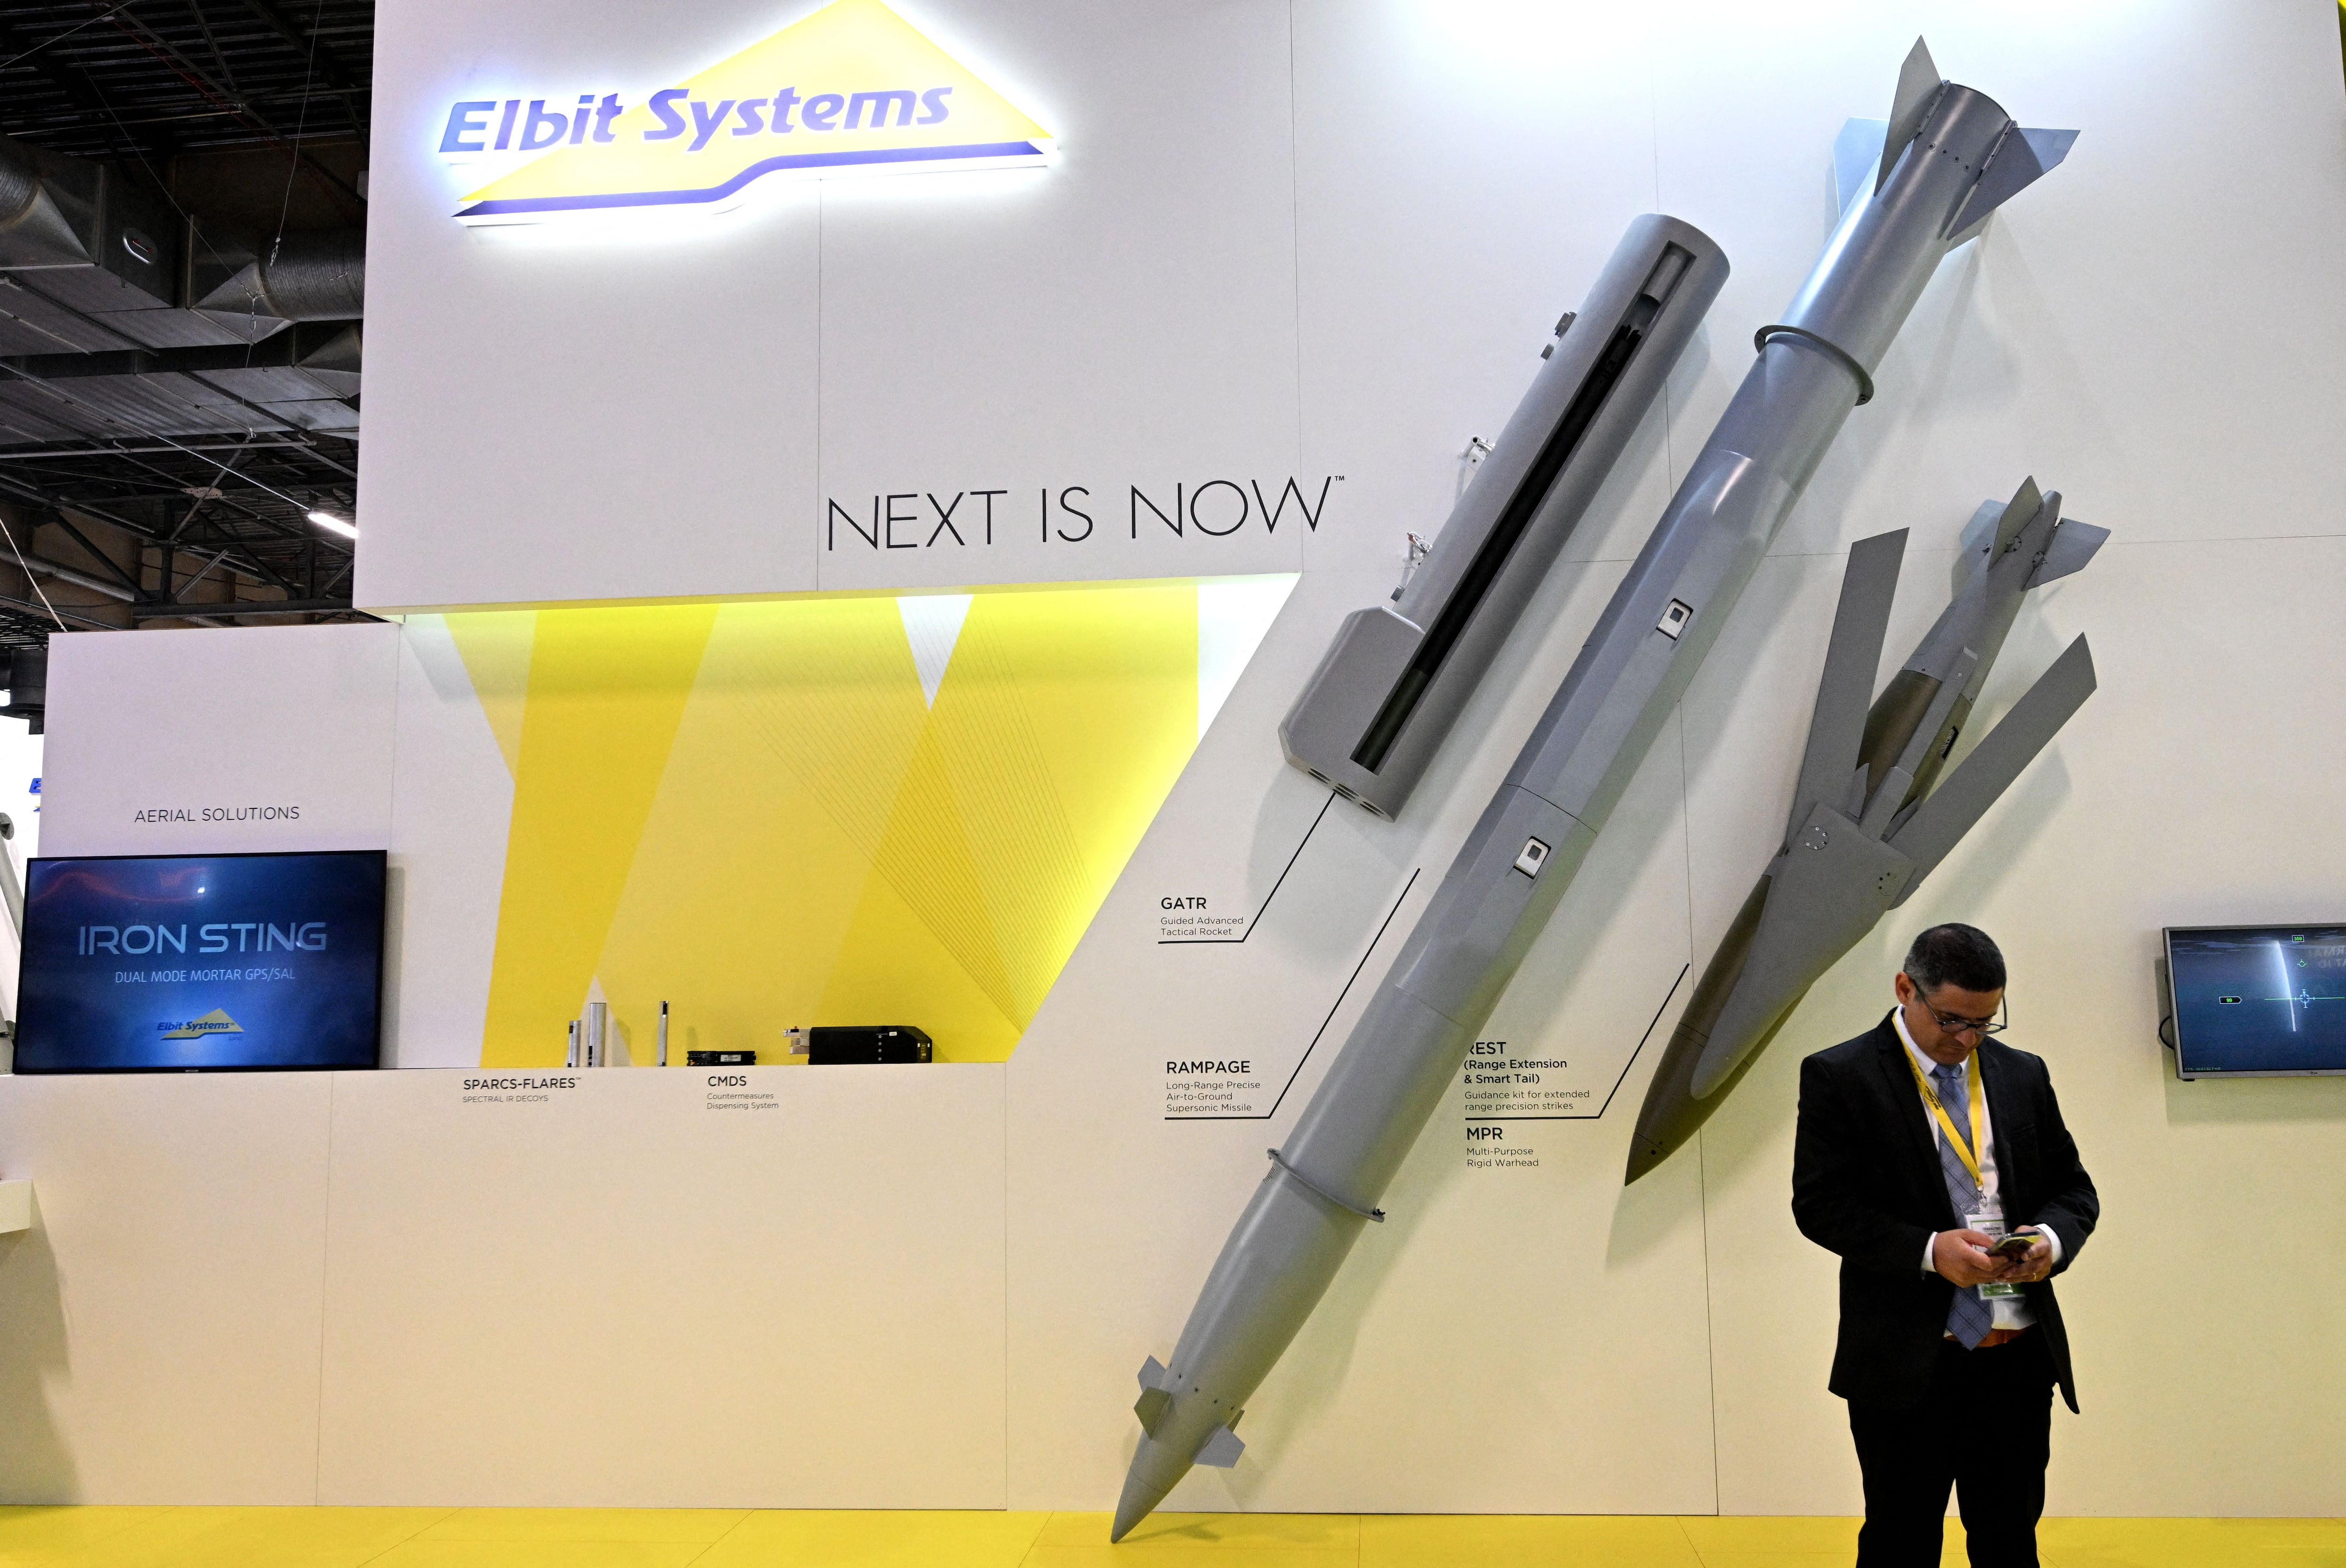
(97, 1537)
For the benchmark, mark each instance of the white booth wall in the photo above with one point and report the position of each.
(1278, 242)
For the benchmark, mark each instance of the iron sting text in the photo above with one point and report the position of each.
(251, 936)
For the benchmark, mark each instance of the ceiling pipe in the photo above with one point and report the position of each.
(311, 277)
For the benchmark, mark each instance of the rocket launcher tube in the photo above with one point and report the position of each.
(1373, 714)
(1402, 1056)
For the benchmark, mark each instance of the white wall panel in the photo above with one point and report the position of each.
(564, 414)
(644, 1290)
(162, 1316)
(449, 814)
(1124, 319)
(193, 742)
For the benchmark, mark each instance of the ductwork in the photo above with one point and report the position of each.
(315, 277)
(106, 244)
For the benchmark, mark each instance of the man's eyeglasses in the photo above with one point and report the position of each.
(1954, 1023)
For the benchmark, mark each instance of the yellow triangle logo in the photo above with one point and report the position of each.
(853, 87)
(216, 1022)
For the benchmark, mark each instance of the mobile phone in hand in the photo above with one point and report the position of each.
(2012, 1246)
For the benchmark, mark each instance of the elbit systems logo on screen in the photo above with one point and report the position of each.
(853, 87)
(216, 1022)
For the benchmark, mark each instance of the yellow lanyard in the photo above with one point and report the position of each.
(1970, 1156)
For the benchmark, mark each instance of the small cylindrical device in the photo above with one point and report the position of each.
(570, 1058)
(663, 1034)
(598, 1023)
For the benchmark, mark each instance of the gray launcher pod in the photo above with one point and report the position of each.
(1866, 825)
(1950, 158)
(1392, 684)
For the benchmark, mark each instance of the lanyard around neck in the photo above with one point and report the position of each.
(1970, 1156)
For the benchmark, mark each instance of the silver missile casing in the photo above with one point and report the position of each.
(1362, 1119)
(1844, 860)
(1393, 680)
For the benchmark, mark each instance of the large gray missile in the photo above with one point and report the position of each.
(1866, 825)
(1950, 158)
(1394, 678)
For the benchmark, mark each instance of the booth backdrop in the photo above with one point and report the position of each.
(651, 724)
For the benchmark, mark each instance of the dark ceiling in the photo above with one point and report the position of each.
(157, 466)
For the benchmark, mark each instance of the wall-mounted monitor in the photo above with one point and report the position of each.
(197, 962)
(2257, 1001)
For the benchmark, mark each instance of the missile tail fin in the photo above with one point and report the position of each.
(2074, 545)
(1851, 656)
(1918, 87)
(1976, 549)
(2021, 159)
(2019, 512)
(1857, 152)
(1951, 810)
(1222, 1447)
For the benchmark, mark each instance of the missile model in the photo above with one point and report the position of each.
(1393, 680)
(1950, 156)
(1866, 825)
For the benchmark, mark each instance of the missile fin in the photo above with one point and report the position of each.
(1155, 1394)
(1854, 805)
(1957, 805)
(1918, 88)
(2073, 544)
(1856, 152)
(1222, 1447)
(1851, 656)
(1976, 548)
(2019, 512)
(2021, 159)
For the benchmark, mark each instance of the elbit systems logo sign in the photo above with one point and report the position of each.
(851, 87)
(216, 1022)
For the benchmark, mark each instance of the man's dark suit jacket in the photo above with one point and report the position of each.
(1867, 1184)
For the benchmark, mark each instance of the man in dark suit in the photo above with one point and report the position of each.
(1922, 1145)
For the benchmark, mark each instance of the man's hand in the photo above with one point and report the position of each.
(1961, 1256)
(2030, 1266)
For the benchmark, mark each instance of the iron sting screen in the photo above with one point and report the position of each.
(2259, 999)
(187, 962)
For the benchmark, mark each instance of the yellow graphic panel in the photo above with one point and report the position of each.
(756, 814)
(606, 690)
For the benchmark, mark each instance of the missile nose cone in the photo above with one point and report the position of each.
(1154, 1472)
(1645, 1154)
(1139, 1500)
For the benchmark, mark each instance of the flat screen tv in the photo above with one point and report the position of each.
(2257, 1001)
(201, 963)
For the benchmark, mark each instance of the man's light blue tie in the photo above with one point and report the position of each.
(1968, 1318)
